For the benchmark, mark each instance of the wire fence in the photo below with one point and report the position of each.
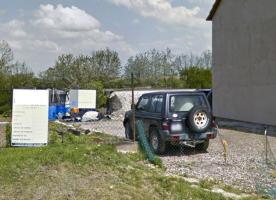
(242, 155)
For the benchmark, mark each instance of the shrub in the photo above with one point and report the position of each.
(8, 135)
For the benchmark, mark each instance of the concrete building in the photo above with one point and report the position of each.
(244, 60)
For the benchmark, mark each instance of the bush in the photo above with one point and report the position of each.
(197, 77)
(8, 135)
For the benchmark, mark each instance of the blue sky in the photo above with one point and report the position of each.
(40, 30)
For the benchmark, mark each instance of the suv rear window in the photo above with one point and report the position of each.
(184, 103)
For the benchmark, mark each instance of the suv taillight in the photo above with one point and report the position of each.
(165, 125)
(213, 124)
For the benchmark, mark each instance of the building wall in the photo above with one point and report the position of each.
(244, 61)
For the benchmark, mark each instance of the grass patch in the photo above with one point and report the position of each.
(87, 167)
(212, 183)
(8, 135)
(5, 117)
(208, 183)
(82, 171)
(231, 189)
(56, 131)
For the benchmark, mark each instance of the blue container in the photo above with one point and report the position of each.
(61, 110)
(67, 108)
(52, 115)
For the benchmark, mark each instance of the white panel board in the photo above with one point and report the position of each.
(87, 99)
(30, 117)
(83, 99)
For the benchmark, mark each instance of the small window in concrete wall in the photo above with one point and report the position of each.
(30, 117)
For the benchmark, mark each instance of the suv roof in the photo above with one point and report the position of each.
(175, 92)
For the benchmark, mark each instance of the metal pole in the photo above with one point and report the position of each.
(266, 161)
(133, 107)
(53, 95)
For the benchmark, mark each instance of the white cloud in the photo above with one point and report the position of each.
(53, 30)
(164, 11)
(198, 2)
(65, 18)
(77, 29)
(15, 28)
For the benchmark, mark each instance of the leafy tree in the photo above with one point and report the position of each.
(105, 64)
(6, 55)
(12, 75)
(152, 67)
(74, 71)
(162, 69)
(185, 61)
(197, 77)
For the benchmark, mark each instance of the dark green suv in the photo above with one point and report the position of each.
(174, 118)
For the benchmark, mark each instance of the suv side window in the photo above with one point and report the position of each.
(156, 103)
(143, 103)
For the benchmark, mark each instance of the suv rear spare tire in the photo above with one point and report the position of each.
(199, 119)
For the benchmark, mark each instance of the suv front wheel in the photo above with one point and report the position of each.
(128, 131)
(157, 144)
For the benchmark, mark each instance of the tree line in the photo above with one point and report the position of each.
(103, 69)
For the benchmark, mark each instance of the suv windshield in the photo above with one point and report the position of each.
(184, 103)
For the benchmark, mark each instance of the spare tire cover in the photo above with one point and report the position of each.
(199, 119)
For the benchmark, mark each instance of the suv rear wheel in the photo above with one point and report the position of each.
(157, 144)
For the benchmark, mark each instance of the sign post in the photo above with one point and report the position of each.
(30, 117)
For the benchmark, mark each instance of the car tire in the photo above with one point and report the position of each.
(128, 131)
(158, 145)
(199, 119)
(202, 146)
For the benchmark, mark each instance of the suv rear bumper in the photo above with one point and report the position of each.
(176, 137)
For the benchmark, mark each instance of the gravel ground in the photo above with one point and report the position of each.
(113, 127)
(245, 167)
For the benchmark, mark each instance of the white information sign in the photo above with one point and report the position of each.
(83, 98)
(30, 117)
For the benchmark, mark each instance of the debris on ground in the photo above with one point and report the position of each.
(90, 116)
